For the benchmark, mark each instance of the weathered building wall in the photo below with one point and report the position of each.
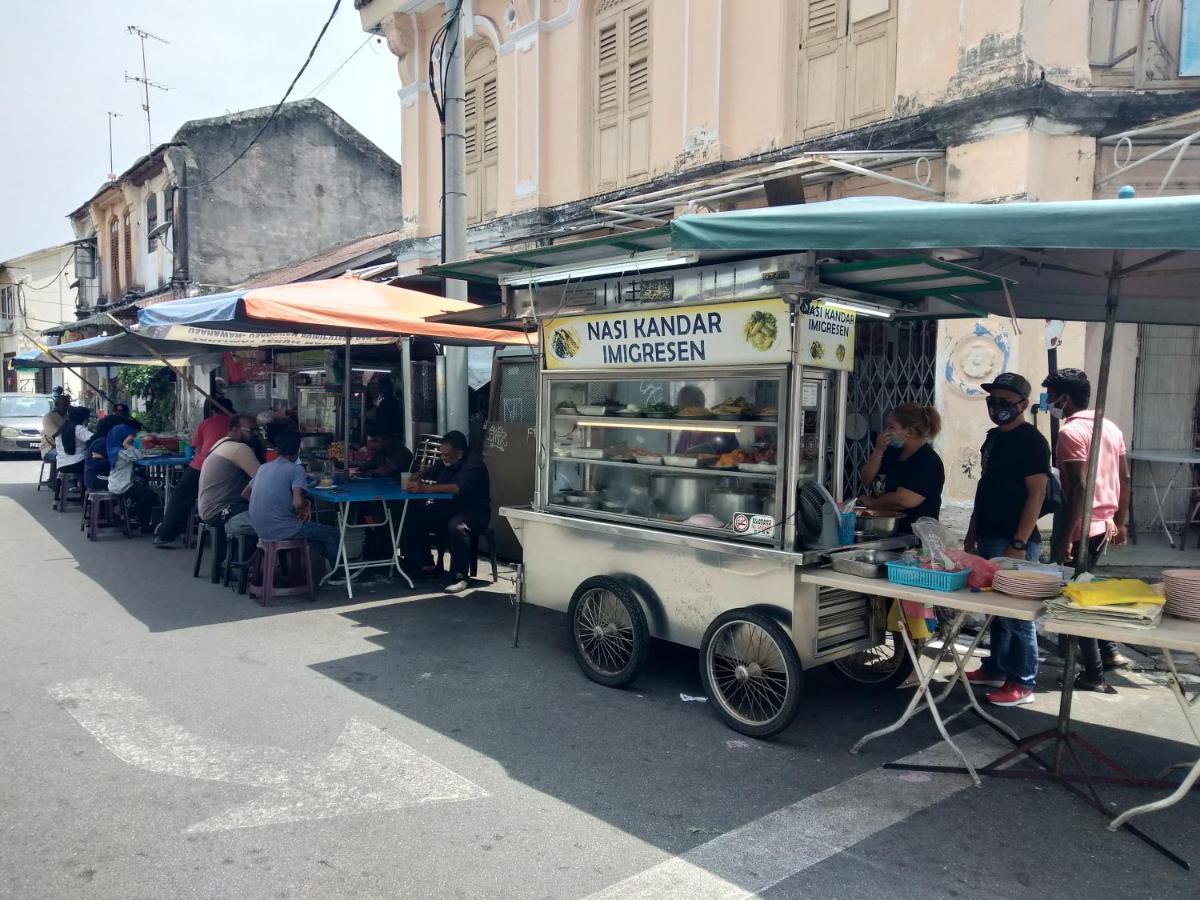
(310, 182)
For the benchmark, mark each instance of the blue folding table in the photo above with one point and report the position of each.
(368, 490)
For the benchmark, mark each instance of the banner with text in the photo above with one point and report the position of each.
(827, 338)
(720, 334)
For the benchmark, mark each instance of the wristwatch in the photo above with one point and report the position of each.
(1018, 544)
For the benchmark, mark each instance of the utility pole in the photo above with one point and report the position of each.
(145, 81)
(454, 198)
(112, 170)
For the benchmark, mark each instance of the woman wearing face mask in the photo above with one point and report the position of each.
(904, 475)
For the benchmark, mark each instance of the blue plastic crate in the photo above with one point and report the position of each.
(913, 575)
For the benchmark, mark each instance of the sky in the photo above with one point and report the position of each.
(63, 69)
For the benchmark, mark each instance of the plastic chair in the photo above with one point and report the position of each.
(265, 566)
(473, 569)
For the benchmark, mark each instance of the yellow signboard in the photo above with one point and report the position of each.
(753, 332)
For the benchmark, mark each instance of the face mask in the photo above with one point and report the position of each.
(1002, 411)
(1056, 411)
(897, 441)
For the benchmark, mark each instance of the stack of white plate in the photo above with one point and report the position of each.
(1182, 589)
(1027, 585)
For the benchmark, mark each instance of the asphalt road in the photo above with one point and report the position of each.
(161, 736)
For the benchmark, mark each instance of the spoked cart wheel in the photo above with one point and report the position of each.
(878, 669)
(609, 636)
(752, 672)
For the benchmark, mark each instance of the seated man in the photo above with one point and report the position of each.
(389, 457)
(51, 422)
(453, 521)
(278, 508)
(227, 469)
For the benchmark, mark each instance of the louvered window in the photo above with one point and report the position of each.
(624, 72)
(128, 257)
(482, 132)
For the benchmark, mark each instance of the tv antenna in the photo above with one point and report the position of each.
(145, 81)
(112, 172)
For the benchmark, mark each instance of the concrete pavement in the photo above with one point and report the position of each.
(139, 702)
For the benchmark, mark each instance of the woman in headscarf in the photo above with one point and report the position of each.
(71, 440)
(122, 455)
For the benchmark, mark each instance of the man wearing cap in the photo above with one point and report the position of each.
(1015, 468)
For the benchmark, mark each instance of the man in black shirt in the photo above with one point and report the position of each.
(456, 520)
(1008, 500)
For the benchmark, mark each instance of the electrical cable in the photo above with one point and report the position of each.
(275, 111)
(324, 84)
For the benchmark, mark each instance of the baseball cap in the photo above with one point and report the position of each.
(1009, 381)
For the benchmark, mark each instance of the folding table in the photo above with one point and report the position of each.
(164, 464)
(368, 490)
(1181, 459)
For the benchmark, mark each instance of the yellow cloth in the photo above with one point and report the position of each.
(918, 628)
(1112, 592)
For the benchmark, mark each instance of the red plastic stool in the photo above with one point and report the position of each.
(265, 566)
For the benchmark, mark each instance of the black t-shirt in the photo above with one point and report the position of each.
(474, 486)
(922, 473)
(1008, 458)
(387, 419)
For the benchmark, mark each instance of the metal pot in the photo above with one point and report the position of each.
(723, 504)
(315, 441)
(680, 495)
(875, 526)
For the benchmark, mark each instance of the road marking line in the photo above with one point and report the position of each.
(367, 769)
(762, 853)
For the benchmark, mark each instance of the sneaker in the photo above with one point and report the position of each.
(980, 678)
(1098, 686)
(458, 587)
(1117, 661)
(161, 544)
(1011, 695)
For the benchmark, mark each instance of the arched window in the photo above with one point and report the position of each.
(623, 57)
(482, 131)
(114, 259)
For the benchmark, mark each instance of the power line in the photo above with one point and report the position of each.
(278, 106)
(324, 84)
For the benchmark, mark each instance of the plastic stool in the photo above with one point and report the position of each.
(239, 554)
(191, 530)
(51, 481)
(67, 483)
(100, 511)
(217, 532)
(265, 566)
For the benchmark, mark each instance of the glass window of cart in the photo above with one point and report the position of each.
(697, 454)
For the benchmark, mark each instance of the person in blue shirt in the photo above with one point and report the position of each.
(279, 510)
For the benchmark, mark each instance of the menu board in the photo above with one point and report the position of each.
(754, 332)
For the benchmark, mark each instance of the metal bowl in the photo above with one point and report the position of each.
(875, 526)
(863, 563)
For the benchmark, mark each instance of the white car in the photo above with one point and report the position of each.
(21, 421)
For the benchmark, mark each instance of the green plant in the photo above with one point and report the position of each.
(156, 386)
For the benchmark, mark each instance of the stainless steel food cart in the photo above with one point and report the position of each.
(689, 463)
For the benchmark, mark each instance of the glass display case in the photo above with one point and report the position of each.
(701, 452)
(317, 410)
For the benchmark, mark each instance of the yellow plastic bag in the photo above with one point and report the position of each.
(918, 619)
(1112, 592)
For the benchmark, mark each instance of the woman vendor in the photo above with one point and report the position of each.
(904, 475)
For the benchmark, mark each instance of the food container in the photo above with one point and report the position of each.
(874, 526)
(646, 460)
(680, 496)
(581, 501)
(759, 468)
(593, 410)
(863, 563)
(724, 504)
(688, 462)
(587, 453)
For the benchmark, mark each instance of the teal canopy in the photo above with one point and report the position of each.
(893, 223)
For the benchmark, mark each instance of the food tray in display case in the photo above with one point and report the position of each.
(667, 451)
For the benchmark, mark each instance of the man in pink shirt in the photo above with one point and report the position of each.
(1067, 395)
(184, 492)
